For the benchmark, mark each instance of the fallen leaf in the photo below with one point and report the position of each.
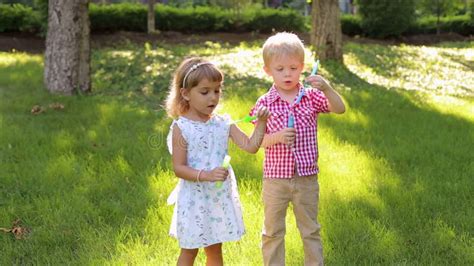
(56, 106)
(17, 230)
(37, 109)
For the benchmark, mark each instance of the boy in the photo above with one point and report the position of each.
(291, 153)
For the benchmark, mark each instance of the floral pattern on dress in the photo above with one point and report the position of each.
(205, 214)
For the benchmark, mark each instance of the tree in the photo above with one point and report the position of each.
(440, 8)
(151, 17)
(67, 55)
(326, 35)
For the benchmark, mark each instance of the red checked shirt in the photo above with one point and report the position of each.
(282, 160)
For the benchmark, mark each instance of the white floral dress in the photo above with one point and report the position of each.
(205, 214)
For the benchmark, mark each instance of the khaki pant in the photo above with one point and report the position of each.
(303, 193)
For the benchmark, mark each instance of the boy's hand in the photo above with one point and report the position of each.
(263, 114)
(216, 174)
(318, 82)
(286, 136)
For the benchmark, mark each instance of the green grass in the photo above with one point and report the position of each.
(91, 181)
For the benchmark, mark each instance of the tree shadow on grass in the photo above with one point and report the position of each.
(459, 59)
(375, 56)
(101, 166)
(417, 208)
(83, 179)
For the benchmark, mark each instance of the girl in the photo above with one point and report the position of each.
(205, 215)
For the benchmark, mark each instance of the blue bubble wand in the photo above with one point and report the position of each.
(314, 71)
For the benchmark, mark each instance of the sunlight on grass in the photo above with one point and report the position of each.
(61, 167)
(242, 59)
(354, 171)
(248, 62)
(64, 140)
(445, 71)
(8, 59)
(123, 54)
(459, 107)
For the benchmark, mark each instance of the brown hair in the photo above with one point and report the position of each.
(194, 69)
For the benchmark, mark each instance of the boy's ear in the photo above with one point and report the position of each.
(267, 70)
(184, 93)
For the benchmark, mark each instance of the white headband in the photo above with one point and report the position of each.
(194, 67)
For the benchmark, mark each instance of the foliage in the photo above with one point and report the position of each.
(459, 24)
(383, 18)
(133, 17)
(41, 7)
(23, 2)
(125, 16)
(194, 19)
(268, 20)
(201, 19)
(18, 17)
(351, 25)
(440, 8)
(471, 13)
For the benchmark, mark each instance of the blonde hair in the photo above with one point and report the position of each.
(282, 43)
(194, 69)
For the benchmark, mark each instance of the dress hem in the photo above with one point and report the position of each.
(211, 243)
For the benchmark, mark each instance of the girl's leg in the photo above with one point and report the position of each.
(187, 257)
(214, 255)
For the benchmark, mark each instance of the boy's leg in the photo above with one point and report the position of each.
(276, 196)
(305, 206)
(214, 255)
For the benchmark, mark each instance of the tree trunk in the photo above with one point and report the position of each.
(326, 35)
(151, 17)
(67, 55)
(85, 49)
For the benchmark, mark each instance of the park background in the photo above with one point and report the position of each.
(84, 178)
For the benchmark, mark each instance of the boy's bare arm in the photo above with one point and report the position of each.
(336, 105)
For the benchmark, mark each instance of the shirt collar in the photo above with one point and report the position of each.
(273, 94)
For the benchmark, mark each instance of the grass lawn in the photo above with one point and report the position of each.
(90, 181)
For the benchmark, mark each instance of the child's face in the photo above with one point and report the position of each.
(203, 98)
(285, 71)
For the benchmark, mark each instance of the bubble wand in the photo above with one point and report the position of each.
(225, 164)
(315, 68)
(247, 118)
(314, 71)
(291, 118)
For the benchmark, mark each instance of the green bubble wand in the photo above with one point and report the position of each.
(246, 119)
(225, 164)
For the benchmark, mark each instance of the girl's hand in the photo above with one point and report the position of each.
(216, 174)
(286, 136)
(318, 82)
(263, 114)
